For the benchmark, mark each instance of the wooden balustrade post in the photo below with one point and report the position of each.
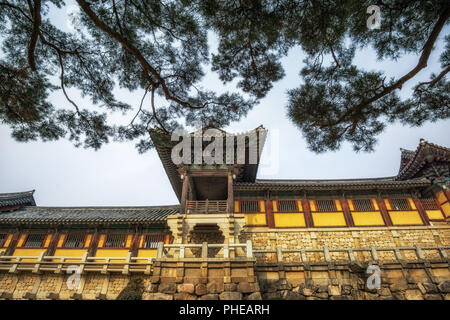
(159, 251)
(279, 253)
(419, 252)
(249, 249)
(184, 194)
(205, 250)
(226, 251)
(326, 253)
(374, 253)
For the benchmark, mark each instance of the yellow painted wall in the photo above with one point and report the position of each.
(274, 206)
(328, 219)
(375, 204)
(434, 214)
(412, 204)
(255, 219)
(28, 252)
(289, 220)
(128, 241)
(88, 240)
(21, 240)
(2, 250)
(300, 205)
(146, 253)
(405, 218)
(262, 206)
(69, 253)
(312, 205)
(446, 208)
(111, 253)
(441, 197)
(236, 206)
(101, 240)
(61, 240)
(388, 204)
(8, 240)
(338, 204)
(368, 218)
(350, 205)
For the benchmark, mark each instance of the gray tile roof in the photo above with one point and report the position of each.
(89, 215)
(382, 183)
(17, 198)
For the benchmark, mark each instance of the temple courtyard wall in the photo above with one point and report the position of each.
(290, 264)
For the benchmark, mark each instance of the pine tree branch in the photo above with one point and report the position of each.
(135, 52)
(435, 80)
(36, 13)
(422, 63)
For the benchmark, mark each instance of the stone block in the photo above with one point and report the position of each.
(156, 296)
(444, 287)
(201, 289)
(215, 287)
(209, 296)
(413, 295)
(432, 297)
(334, 290)
(184, 296)
(229, 287)
(289, 295)
(167, 287)
(230, 296)
(246, 287)
(254, 296)
(186, 288)
(399, 285)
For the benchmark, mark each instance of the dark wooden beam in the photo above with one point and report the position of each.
(184, 193)
(421, 210)
(384, 212)
(230, 199)
(308, 216)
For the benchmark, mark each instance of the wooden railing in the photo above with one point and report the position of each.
(206, 206)
(372, 252)
(129, 264)
(59, 264)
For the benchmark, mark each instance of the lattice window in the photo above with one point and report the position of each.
(325, 205)
(115, 241)
(287, 206)
(400, 204)
(249, 206)
(74, 241)
(429, 204)
(363, 205)
(3, 239)
(151, 240)
(35, 240)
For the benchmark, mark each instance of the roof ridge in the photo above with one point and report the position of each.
(19, 193)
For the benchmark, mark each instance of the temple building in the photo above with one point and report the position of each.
(249, 237)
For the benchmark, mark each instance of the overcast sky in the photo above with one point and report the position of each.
(117, 175)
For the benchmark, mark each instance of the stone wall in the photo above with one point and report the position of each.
(381, 237)
(336, 277)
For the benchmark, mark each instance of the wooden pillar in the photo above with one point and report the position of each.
(269, 211)
(307, 210)
(421, 210)
(230, 199)
(136, 240)
(53, 243)
(13, 243)
(94, 242)
(384, 212)
(184, 194)
(347, 213)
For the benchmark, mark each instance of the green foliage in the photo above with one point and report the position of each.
(161, 47)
